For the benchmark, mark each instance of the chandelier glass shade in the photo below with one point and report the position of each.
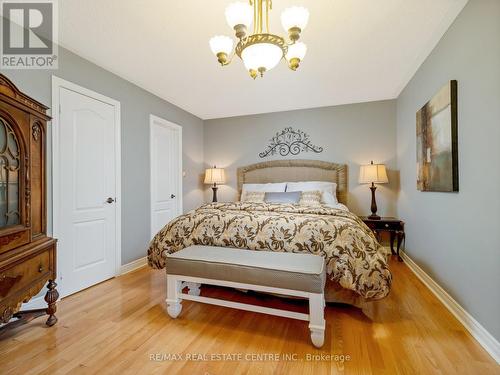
(295, 17)
(261, 51)
(239, 14)
(221, 43)
(266, 55)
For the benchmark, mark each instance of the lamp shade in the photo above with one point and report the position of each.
(215, 176)
(375, 173)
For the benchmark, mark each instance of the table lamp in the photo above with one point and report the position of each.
(373, 174)
(215, 176)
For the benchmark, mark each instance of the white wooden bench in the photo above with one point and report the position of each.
(298, 275)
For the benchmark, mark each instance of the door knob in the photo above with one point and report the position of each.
(172, 196)
(110, 200)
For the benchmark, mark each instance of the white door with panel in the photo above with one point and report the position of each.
(87, 188)
(166, 172)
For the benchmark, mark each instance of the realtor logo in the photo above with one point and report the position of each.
(29, 34)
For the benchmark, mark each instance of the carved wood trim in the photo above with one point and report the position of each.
(10, 238)
(12, 304)
(27, 191)
(36, 130)
(6, 284)
(9, 89)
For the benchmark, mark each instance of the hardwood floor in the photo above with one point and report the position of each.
(120, 327)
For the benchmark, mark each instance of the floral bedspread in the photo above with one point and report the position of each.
(353, 256)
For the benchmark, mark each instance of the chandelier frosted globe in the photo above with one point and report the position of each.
(221, 43)
(297, 50)
(295, 17)
(261, 56)
(239, 14)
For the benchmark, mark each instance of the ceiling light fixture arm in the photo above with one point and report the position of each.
(225, 59)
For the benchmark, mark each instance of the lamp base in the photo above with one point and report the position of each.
(374, 215)
(214, 196)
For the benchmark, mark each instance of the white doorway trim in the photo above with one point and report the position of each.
(158, 120)
(57, 84)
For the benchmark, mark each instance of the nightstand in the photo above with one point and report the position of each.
(395, 227)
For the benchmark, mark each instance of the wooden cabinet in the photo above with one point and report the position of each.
(27, 255)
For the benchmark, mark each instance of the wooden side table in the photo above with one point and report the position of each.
(394, 226)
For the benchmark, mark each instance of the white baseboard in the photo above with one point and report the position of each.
(132, 266)
(483, 337)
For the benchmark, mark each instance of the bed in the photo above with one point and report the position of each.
(357, 266)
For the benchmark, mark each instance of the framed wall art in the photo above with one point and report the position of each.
(437, 142)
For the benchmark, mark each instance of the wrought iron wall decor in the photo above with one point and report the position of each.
(290, 142)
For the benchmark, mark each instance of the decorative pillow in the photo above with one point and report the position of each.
(271, 187)
(329, 190)
(253, 196)
(292, 197)
(311, 198)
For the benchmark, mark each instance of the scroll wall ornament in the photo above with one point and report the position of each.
(290, 142)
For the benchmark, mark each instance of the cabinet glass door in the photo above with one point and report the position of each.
(10, 165)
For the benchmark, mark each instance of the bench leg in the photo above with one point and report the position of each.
(193, 289)
(317, 319)
(174, 306)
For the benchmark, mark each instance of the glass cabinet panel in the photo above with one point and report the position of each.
(10, 165)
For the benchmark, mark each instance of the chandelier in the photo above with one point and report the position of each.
(261, 51)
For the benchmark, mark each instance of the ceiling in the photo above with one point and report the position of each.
(358, 50)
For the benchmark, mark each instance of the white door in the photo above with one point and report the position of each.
(87, 190)
(166, 172)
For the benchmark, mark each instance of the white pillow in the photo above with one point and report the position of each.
(329, 199)
(266, 188)
(329, 189)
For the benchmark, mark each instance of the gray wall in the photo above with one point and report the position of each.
(352, 134)
(136, 106)
(455, 237)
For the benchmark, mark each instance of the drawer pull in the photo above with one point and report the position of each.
(40, 269)
(387, 225)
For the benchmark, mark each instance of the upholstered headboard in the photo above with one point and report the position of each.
(294, 171)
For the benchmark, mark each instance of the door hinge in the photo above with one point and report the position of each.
(59, 109)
